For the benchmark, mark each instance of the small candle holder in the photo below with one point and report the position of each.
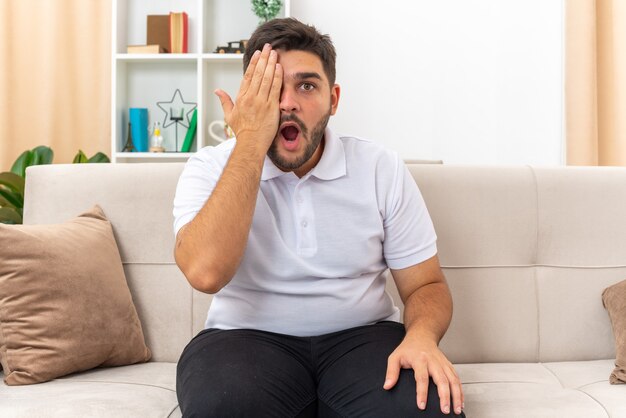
(175, 111)
(177, 117)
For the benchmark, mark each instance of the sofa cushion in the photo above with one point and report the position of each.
(592, 379)
(614, 299)
(140, 390)
(576, 389)
(65, 305)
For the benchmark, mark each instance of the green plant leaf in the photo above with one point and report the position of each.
(42, 155)
(10, 216)
(37, 156)
(4, 202)
(80, 158)
(12, 181)
(23, 161)
(15, 199)
(99, 158)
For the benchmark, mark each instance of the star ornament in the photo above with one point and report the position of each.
(175, 108)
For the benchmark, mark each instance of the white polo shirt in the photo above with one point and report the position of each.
(318, 245)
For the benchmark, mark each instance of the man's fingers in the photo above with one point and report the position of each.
(430, 366)
(259, 70)
(277, 84)
(421, 385)
(393, 372)
(268, 75)
(226, 101)
(456, 390)
(443, 389)
(247, 77)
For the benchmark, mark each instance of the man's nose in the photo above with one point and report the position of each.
(288, 102)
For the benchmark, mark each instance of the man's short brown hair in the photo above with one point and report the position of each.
(291, 34)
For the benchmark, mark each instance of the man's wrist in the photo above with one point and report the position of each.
(250, 144)
(247, 159)
(417, 334)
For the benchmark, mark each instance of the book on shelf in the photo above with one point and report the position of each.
(178, 32)
(158, 32)
(191, 132)
(144, 49)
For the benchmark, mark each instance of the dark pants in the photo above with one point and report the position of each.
(248, 373)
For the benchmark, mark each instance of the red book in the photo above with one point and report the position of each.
(178, 32)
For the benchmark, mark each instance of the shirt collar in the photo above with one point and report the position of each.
(331, 166)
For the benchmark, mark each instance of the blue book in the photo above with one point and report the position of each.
(139, 127)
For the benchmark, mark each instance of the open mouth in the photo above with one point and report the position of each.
(290, 131)
(290, 135)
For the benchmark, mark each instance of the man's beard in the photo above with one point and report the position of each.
(313, 141)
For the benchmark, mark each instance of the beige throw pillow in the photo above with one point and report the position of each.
(614, 299)
(65, 305)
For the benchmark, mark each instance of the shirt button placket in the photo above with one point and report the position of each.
(299, 214)
(302, 214)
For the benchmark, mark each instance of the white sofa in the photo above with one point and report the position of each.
(527, 252)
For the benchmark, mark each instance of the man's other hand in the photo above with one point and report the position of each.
(425, 358)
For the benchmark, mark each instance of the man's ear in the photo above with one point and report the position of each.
(335, 92)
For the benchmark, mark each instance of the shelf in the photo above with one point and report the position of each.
(156, 57)
(150, 80)
(130, 20)
(223, 57)
(152, 156)
(178, 57)
(156, 155)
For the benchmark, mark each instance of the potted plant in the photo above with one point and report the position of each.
(266, 9)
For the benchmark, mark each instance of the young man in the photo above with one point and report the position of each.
(292, 228)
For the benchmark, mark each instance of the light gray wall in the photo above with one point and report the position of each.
(466, 81)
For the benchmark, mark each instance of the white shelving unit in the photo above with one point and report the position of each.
(142, 80)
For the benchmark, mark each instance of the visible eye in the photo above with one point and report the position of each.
(307, 86)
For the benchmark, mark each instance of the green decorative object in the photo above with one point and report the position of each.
(266, 9)
(191, 132)
(12, 182)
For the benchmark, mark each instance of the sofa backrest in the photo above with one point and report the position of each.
(526, 251)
